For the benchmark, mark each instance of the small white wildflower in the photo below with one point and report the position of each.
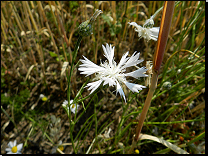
(147, 33)
(73, 107)
(107, 133)
(111, 73)
(178, 71)
(59, 146)
(43, 97)
(167, 85)
(14, 148)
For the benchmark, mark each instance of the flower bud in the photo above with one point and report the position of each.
(85, 28)
(167, 85)
(149, 23)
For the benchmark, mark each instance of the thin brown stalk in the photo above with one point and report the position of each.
(125, 13)
(17, 40)
(158, 57)
(2, 61)
(28, 45)
(38, 47)
(3, 30)
(113, 6)
(17, 18)
(62, 29)
(31, 17)
(98, 36)
(61, 25)
(73, 29)
(153, 8)
(102, 31)
(27, 16)
(47, 25)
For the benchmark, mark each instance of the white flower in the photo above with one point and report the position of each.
(72, 107)
(43, 97)
(147, 33)
(13, 149)
(178, 71)
(112, 74)
(107, 133)
(60, 146)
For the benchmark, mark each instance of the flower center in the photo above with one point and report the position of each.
(14, 149)
(44, 99)
(61, 147)
(73, 106)
(111, 71)
(137, 151)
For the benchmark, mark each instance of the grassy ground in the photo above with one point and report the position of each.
(38, 37)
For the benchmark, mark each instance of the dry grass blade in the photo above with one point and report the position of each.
(30, 69)
(63, 69)
(165, 143)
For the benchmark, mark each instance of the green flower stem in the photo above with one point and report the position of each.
(69, 88)
(84, 29)
(72, 64)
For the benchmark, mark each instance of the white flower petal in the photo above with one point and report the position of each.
(123, 60)
(19, 147)
(133, 61)
(65, 103)
(134, 87)
(89, 67)
(109, 81)
(94, 85)
(15, 143)
(73, 108)
(109, 53)
(120, 90)
(135, 24)
(137, 73)
(60, 142)
(41, 95)
(107, 134)
(54, 149)
(8, 149)
(10, 144)
(154, 32)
